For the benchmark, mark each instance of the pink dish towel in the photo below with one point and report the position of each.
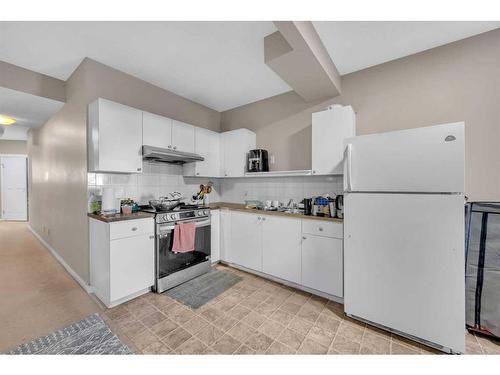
(184, 237)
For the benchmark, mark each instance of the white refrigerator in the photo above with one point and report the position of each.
(404, 233)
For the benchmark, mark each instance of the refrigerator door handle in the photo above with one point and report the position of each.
(347, 168)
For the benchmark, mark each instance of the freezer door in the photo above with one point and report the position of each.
(429, 159)
(404, 264)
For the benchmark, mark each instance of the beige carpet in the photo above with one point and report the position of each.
(38, 296)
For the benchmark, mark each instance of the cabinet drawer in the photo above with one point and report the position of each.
(129, 228)
(323, 228)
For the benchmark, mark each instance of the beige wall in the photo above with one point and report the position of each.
(13, 147)
(58, 160)
(20, 79)
(456, 82)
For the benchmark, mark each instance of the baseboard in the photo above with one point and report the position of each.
(286, 283)
(66, 266)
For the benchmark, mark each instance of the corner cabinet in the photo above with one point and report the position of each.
(121, 259)
(114, 138)
(329, 130)
(235, 145)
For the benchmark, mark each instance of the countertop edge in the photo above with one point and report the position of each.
(241, 208)
(121, 217)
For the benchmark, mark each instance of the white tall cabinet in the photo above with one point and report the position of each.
(114, 137)
(329, 129)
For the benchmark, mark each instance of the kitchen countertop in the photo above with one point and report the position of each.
(121, 217)
(241, 207)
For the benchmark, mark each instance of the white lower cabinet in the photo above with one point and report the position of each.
(281, 242)
(121, 259)
(322, 265)
(215, 235)
(308, 253)
(246, 240)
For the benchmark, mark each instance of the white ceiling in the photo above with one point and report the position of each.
(218, 64)
(30, 111)
(355, 45)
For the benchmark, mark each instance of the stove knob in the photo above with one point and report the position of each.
(172, 216)
(206, 212)
(164, 217)
(200, 213)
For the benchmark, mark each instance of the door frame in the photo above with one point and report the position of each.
(2, 195)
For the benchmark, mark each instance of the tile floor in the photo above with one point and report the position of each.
(254, 316)
(257, 316)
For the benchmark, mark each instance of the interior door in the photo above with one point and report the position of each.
(14, 188)
(404, 263)
(429, 159)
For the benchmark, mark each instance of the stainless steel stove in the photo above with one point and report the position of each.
(173, 268)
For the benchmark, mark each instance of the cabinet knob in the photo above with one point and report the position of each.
(134, 229)
(304, 237)
(320, 229)
(169, 146)
(314, 172)
(258, 218)
(175, 147)
(225, 174)
(263, 219)
(197, 173)
(139, 169)
(151, 237)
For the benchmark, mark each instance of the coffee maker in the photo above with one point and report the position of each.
(257, 161)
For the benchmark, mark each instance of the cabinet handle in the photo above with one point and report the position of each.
(134, 229)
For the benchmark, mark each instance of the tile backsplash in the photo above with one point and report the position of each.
(158, 179)
(237, 190)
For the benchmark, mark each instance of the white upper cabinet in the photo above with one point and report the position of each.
(156, 130)
(114, 142)
(207, 145)
(235, 145)
(182, 136)
(329, 130)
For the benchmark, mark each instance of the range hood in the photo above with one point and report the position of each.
(167, 155)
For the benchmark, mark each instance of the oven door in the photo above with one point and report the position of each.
(168, 262)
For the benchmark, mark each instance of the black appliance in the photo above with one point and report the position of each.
(258, 161)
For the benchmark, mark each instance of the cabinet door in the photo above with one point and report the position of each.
(182, 136)
(116, 136)
(131, 265)
(225, 235)
(322, 264)
(156, 130)
(246, 240)
(207, 144)
(329, 129)
(215, 235)
(236, 144)
(281, 254)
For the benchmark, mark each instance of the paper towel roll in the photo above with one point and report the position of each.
(108, 200)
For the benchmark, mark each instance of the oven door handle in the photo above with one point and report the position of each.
(166, 229)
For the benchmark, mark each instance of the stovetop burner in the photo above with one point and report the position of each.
(181, 207)
(182, 212)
